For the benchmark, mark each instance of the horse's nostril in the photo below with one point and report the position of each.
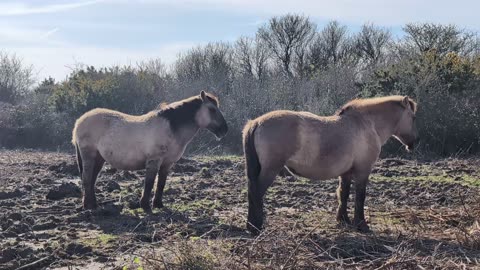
(410, 147)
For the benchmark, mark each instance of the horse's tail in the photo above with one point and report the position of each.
(77, 150)
(252, 164)
(74, 133)
(252, 167)
(79, 160)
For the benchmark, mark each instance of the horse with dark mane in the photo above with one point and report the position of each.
(153, 141)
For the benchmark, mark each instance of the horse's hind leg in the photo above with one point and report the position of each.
(343, 192)
(92, 165)
(150, 174)
(161, 179)
(256, 193)
(360, 194)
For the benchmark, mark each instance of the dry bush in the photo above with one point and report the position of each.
(287, 65)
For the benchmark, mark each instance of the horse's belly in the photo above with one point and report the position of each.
(128, 165)
(322, 169)
(122, 159)
(315, 172)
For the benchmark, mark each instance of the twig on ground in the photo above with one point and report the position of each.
(35, 264)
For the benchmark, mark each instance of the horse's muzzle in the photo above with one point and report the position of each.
(411, 146)
(221, 131)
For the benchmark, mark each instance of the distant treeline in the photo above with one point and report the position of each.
(289, 64)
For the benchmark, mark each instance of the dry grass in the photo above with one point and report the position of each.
(429, 239)
(416, 222)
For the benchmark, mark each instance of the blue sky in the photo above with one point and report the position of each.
(55, 35)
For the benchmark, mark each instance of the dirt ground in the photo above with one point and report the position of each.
(423, 215)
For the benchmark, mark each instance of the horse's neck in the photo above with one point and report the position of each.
(181, 115)
(186, 133)
(384, 123)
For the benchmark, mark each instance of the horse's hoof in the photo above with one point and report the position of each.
(362, 226)
(145, 206)
(343, 225)
(147, 210)
(344, 221)
(90, 206)
(254, 230)
(157, 204)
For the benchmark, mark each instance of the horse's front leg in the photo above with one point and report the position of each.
(150, 174)
(343, 192)
(161, 179)
(360, 193)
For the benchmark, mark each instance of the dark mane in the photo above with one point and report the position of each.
(183, 112)
(342, 110)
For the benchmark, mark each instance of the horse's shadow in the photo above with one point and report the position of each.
(347, 244)
(137, 222)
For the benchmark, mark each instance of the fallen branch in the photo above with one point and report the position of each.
(35, 264)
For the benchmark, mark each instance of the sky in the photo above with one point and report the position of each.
(54, 36)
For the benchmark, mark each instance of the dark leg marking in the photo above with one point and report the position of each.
(360, 193)
(161, 179)
(256, 193)
(343, 192)
(150, 174)
(92, 165)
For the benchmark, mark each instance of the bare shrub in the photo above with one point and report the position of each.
(16, 78)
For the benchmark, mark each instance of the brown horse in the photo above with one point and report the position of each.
(153, 141)
(346, 144)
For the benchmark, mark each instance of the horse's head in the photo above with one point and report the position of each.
(406, 130)
(210, 117)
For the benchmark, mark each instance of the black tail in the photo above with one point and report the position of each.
(253, 167)
(79, 160)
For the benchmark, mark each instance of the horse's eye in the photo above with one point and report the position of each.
(212, 110)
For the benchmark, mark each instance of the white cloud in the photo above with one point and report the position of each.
(16, 8)
(20, 36)
(50, 33)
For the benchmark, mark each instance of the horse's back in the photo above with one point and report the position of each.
(314, 146)
(277, 136)
(91, 125)
(290, 127)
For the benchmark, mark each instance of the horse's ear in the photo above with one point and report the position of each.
(409, 103)
(406, 102)
(203, 95)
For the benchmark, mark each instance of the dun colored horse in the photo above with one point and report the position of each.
(346, 144)
(153, 141)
